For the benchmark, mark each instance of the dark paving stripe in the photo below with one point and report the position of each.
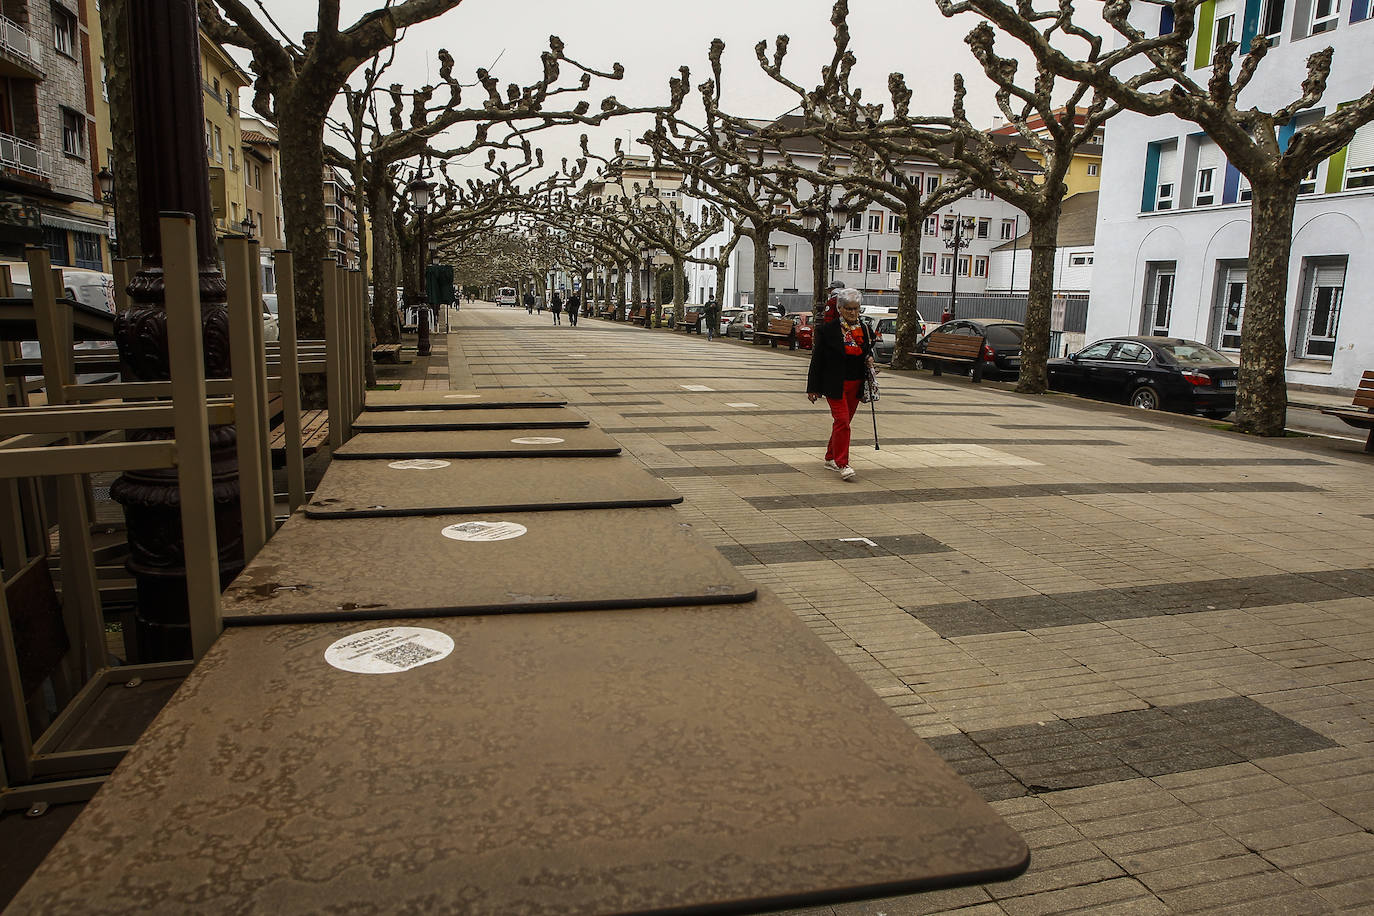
(613, 430)
(617, 403)
(1017, 491)
(900, 545)
(889, 440)
(1091, 750)
(725, 470)
(1096, 429)
(1004, 615)
(1228, 462)
(745, 412)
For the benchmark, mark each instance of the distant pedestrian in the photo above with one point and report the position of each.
(556, 306)
(574, 308)
(539, 305)
(712, 318)
(841, 355)
(529, 301)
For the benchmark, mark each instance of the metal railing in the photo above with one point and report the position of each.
(16, 40)
(24, 156)
(971, 305)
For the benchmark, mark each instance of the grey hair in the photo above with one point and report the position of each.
(848, 295)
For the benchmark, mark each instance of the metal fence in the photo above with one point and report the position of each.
(1074, 317)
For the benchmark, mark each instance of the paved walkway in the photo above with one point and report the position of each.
(1149, 643)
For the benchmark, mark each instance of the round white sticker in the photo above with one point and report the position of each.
(388, 650)
(419, 464)
(461, 397)
(538, 440)
(484, 531)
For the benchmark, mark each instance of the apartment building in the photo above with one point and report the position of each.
(262, 193)
(48, 191)
(340, 218)
(221, 80)
(1174, 215)
(866, 253)
(645, 185)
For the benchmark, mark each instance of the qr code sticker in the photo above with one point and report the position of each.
(406, 655)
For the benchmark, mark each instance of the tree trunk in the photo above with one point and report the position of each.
(762, 264)
(301, 136)
(720, 283)
(820, 271)
(636, 282)
(1262, 389)
(359, 211)
(908, 322)
(114, 24)
(386, 324)
(1035, 345)
(679, 288)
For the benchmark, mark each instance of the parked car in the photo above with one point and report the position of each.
(741, 325)
(1150, 373)
(805, 330)
(89, 287)
(271, 329)
(726, 316)
(506, 296)
(1001, 356)
(887, 328)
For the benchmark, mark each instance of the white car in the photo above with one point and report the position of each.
(506, 296)
(271, 328)
(89, 287)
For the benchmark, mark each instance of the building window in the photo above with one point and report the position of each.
(63, 31)
(894, 261)
(1325, 15)
(855, 261)
(1080, 259)
(895, 223)
(1272, 20)
(209, 138)
(232, 167)
(219, 145)
(257, 183)
(984, 195)
(856, 222)
(1161, 175)
(874, 262)
(1320, 307)
(946, 264)
(73, 133)
(55, 240)
(965, 265)
(928, 264)
(778, 256)
(1359, 160)
(1230, 309)
(88, 250)
(1224, 30)
(1308, 185)
(984, 227)
(932, 183)
(834, 261)
(1164, 197)
(1159, 298)
(1205, 194)
(980, 267)
(932, 226)
(104, 86)
(1092, 170)
(875, 222)
(1008, 229)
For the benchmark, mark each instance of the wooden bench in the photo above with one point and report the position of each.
(386, 353)
(638, 316)
(314, 433)
(1360, 413)
(691, 321)
(777, 331)
(960, 350)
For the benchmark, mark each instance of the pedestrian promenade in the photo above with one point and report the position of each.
(1149, 643)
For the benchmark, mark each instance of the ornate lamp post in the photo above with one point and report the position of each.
(955, 226)
(419, 189)
(249, 227)
(173, 174)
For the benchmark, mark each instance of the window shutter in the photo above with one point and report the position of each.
(1250, 23)
(1147, 197)
(1206, 21)
(1168, 166)
(1329, 275)
(1230, 191)
(1359, 10)
(1360, 153)
(1209, 157)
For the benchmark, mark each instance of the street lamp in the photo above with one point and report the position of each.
(247, 225)
(419, 189)
(105, 178)
(955, 226)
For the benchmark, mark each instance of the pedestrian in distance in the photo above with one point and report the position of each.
(841, 355)
(574, 308)
(529, 301)
(712, 317)
(556, 306)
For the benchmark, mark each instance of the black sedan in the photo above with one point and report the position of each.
(1001, 356)
(1151, 373)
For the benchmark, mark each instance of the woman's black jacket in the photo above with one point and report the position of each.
(826, 375)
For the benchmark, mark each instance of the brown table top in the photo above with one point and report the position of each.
(480, 443)
(470, 399)
(704, 759)
(428, 486)
(495, 418)
(574, 560)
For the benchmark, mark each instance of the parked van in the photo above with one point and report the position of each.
(89, 287)
(506, 296)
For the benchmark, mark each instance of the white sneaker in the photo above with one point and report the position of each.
(830, 465)
(847, 473)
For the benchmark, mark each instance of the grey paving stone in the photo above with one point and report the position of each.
(1018, 491)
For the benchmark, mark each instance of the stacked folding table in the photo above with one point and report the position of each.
(489, 669)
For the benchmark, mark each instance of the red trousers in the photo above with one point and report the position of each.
(842, 409)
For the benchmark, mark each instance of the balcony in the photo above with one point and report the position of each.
(22, 156)
(23, 53)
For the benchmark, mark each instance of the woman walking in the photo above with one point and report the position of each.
(556, 306)
(841, 356)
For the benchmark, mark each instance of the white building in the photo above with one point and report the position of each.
(1174, 217)
(867, 253)
(1009, 271)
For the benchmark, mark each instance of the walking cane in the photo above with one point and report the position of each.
(874, 410)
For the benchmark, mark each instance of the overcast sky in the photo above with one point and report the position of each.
(652, 39)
